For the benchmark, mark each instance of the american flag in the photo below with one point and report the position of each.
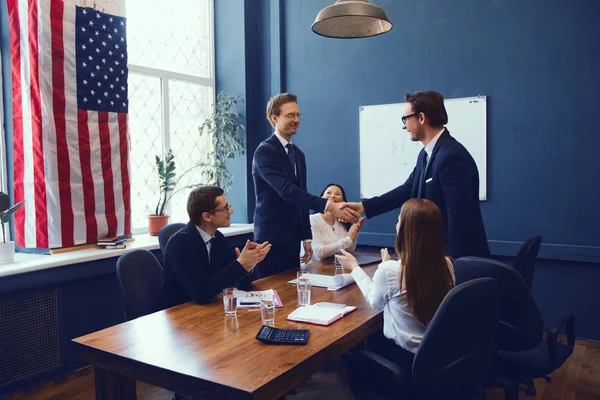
(69, 83)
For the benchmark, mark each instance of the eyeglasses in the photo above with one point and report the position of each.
(227, 207)
(292, 115)
(406, 117)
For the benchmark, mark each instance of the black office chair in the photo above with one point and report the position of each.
(455, 358)
(523, 355)
(140, 277)
(526, 258)
(165, 233)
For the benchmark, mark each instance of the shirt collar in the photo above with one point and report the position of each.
(205, 236)
(431, 145)
(282, 139)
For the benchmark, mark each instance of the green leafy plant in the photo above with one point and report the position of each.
(223, 126)
(6, 211)
(168, 180)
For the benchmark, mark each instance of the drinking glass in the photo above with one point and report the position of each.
(339, 269)
(230, 301)
(267, 311)
(304, 287)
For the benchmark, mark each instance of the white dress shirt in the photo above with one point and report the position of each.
(431, 145)
(328, 239)
(384, 293)
(207, 240)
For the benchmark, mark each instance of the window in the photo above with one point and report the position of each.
(171, 89)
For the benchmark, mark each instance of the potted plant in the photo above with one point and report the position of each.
(167, 184)
(223, 126)
(7, 249)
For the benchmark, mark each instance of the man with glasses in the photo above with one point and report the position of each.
(282, 202)
(198, 261)
(445, 174)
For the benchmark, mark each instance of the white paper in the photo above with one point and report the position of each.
(332, 282)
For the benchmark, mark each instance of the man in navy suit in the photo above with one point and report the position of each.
(282, 202)
(198, 261)
(445, 174)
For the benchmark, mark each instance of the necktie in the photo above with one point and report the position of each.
(209, 247)
(291, 156)
(420, 192)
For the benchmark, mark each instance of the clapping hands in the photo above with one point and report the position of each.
(252, 254)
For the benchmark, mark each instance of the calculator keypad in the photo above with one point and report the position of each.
(272, 335)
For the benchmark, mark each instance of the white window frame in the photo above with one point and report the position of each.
(167, 76)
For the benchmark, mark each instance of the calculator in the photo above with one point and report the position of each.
(271, 335)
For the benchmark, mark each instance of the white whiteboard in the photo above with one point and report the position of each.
(388, 156)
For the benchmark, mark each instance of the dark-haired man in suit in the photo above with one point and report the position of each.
(198, 261)
(445, 174)
(282, 202)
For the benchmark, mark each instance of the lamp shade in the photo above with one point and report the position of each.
(351, 19)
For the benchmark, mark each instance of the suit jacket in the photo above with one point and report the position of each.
(187, 272)
(282, 202)
(451, 181)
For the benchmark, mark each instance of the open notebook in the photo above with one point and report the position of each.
(332, 282)
(252, 299)
(315, 314)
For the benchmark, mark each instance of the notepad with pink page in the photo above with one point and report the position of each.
(252, 299)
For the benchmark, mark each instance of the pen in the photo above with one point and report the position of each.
(245, 303)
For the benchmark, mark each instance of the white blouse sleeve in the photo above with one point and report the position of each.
(322, 249)
(374, 290)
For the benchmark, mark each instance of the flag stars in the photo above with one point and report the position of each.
(103, 26)
(116, 30)
(116, 46)
(122, 88)
(98, 15)
(92, 92)
(85, 82)
(110, 53)
(105, 94)
(97, 68)
(111, 69)
(91, 40)
(118, 96)
(104, 61)
(84, 64)
(83, 29)
(84, 12)
(104, 44)
(116, 63)
(97, 33)
(97, 50)
(83, 46)
(105, 77)
(117, 79)
(112, 103)
(112, 86)
(124, 104)
(122, 39)
(85, 100)
(92, 75)
(99, 101)
(110, 19)
(122, 23)
(99, 84)
(90, 58)
(91, 23)
(110, 36)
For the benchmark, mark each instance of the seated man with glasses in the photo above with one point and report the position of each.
(198, 261)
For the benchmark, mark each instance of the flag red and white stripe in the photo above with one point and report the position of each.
(70, 162)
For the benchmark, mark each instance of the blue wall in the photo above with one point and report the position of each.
(537, 61)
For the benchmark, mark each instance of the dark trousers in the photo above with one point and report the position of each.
(281, 257)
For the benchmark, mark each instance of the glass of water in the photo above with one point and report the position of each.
(304, 289)
(339, 269)
(230, 301)
(267, 311)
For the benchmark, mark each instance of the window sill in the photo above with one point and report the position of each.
(35, 262)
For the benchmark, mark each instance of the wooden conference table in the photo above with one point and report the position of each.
(197, 350)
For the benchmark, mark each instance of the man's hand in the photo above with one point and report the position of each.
(342, 212)
(252, 254)
(355, 228)
(358, 207)
(308, 252)
(385, 256)
(347, 260)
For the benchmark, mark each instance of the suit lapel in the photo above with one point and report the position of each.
(436, 148)
(283, 156)
(201, 245)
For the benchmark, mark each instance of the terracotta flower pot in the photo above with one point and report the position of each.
(155, 222)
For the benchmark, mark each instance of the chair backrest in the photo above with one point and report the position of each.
(521, 326)
(140, 277)
(526, 258)
(165, 233)
(459, 346)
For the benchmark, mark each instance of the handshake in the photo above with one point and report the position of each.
(346, 212)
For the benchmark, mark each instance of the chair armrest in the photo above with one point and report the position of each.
(379, 364)
(552, 338)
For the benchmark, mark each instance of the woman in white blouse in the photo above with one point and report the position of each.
(328, 234)
(409, 290)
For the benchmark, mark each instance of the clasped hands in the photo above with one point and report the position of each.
(346, 212)
(252, 254)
